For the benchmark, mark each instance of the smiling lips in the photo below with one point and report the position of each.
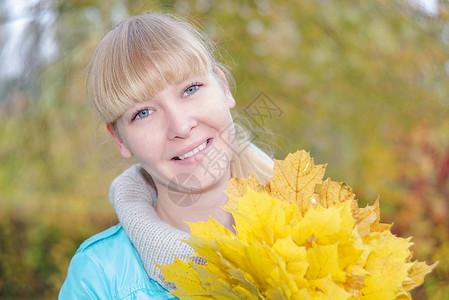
(193, 152)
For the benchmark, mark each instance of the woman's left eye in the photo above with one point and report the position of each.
(191, 89)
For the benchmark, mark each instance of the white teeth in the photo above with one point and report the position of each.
(194, 151)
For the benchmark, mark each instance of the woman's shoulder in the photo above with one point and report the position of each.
(108, 265)
(104, 240)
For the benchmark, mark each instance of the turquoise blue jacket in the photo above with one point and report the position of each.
(107, 266)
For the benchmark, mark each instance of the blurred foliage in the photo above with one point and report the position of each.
(361, 84)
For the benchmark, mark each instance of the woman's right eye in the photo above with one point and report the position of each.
(141, 114)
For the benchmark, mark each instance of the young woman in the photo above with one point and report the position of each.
(164, 98)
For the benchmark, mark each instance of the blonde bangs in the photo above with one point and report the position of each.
(141, 56)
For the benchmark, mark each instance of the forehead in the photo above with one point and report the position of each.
(177, 88)
(175, 85)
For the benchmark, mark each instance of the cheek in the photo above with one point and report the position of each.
(218, 112)
(219, 117)
(144, 144)
(222, 121)
(225, 126)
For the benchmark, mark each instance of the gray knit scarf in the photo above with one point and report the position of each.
(133, 195)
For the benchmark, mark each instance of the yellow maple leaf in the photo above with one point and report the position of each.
(184, 275)
(417, 273)
(323, 260)
(297, 237)
(295, 178)
(236, 188)
(329, 288)
(368, 220)
(260, 217)
(330, 193)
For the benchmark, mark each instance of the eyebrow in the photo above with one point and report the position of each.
(200, 77)
(193, 78)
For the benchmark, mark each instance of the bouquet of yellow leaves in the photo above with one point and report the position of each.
(297, 237)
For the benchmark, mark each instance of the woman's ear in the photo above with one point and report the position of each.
(125, 152)
(225, 85)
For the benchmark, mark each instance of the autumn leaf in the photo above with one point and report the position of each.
(295, 178)
(297, 237)
(236, 188)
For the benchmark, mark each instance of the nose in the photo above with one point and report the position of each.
(180, 122)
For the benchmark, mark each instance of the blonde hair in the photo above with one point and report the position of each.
(143, 54)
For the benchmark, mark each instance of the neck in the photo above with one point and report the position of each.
(176, 207)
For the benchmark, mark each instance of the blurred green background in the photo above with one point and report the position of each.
(361, 84)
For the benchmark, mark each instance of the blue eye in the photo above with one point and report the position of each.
(143, 113)
(191, 89)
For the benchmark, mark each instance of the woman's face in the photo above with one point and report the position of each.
(186, 128)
